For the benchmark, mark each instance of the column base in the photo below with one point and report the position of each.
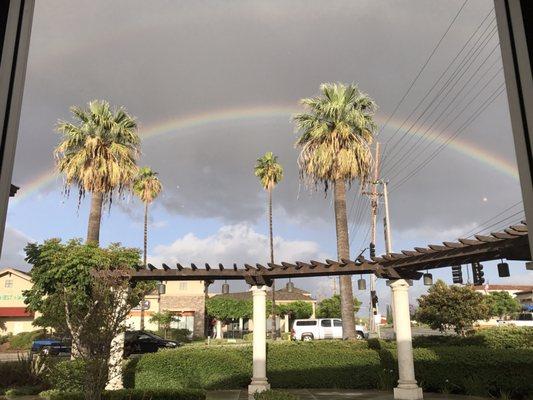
(257, 386)
(408, 392)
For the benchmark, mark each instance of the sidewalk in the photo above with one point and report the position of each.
(333, 394)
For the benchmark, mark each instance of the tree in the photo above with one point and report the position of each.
(146, 187)
(451, 307)
(331, 308)
(336, 133)
(91, 285)
(225, 308)
(270, 173)
(295, 310)
(98, 153)
(164, 319)
(502, 304)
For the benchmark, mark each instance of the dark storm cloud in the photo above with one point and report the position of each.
(168, 60)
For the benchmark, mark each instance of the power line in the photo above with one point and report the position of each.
(455, 77)
(500, 222)
(438, 80)
(472, 231)
(494, 95)
(423, 66)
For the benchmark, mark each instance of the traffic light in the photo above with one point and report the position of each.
(372, 250)
(374, 298)
(457, 274)
(478, 274)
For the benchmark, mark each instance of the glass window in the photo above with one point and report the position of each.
(8, 283)
(185, 322)
(306, 323)
(337, 322)
(326, 323)
(183, 285)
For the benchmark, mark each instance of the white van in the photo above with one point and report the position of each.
(322, 328)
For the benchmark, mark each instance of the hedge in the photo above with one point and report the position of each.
(275, 395)
(337, 364)
(136, 394)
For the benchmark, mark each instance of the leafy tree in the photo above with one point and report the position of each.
(270, 173)
(331, 307)
(295, 310)
(502, 304)
(90, 284)
(225, 308)
(146, 187)
(98, 153)
(336, 133)
(451, 307)
(164, 319)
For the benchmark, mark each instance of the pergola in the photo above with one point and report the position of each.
(397, 268)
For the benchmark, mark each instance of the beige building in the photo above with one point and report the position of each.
(185, 298)
(513, 290)
(14, 318)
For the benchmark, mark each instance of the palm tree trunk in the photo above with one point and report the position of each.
(144, 256)
(273, 328)
(95, 217)
(343, 251)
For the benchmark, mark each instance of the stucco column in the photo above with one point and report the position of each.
(313, 313)
(259, 379)
(219, 329)
(286, 322)
(241, 324)
(407, 388)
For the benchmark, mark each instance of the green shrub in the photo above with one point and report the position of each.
(470, 370)
(24, 391)
(67, 375)
(23, 340)
(5, 338)
(275, 395)
(136, 394)
(378, 344)
(510, 337)
(286, 336)
(19, 373)
(248, 337)
(338, 364)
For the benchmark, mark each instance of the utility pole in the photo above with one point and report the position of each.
(386, 220)
(372, 310)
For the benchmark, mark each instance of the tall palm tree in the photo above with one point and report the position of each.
(336, 132)
(98, 153)
(270, 173)
(146, 187)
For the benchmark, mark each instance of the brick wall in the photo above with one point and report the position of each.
(184, 303)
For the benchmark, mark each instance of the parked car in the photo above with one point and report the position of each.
(322, 328)
(523, 319)
(140, 342)
(51, 347)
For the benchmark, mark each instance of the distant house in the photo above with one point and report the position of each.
(513, 290)
(186, 299)
(525, 298)
(283, 296)
(14, 318)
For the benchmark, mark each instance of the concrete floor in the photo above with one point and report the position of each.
(333, 394)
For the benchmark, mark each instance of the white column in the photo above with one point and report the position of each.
(313, 305)
(115, 363)
(259, 379)
(286, 322)
(241, 324)
(407, 388)
(219, 329)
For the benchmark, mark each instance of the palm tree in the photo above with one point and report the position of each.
(270, 173)
(98, 153)
(336, 132)
(146, 187)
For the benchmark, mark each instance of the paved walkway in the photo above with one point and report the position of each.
(333, 394)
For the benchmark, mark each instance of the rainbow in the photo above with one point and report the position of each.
(186, 124)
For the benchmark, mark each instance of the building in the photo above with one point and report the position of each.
(184, 298)
(283, 296)
(526, 299)
(513, 290)
(14, 318)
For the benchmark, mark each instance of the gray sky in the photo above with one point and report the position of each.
(176, 60)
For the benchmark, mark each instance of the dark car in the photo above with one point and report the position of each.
(51, 347)
(140, 342)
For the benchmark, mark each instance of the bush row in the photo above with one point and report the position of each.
(136, 394)
(469, 370)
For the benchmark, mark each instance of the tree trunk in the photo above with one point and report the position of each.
(144, 256)
(343, 251)
(273, 328)
(95, 217)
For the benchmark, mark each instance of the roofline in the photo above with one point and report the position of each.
(14, 271)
